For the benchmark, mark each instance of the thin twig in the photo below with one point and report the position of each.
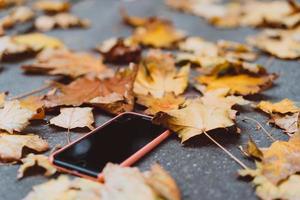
(44, 87)
(69, 136)
(226, 151)
(261, 126)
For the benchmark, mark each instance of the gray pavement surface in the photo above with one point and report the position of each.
(202, 170)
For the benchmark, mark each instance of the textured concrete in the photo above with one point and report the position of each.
(201, 169)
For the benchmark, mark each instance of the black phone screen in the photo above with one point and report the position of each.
(115, 142)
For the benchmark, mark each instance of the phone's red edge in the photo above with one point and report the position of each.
(128, 162)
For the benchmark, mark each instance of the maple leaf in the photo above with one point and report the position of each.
(120, 51)
(70, 118)
(35, 104)
(157, 75)
(283, 44)
(289, 122)
(199, 115)
(283, 107)
(33, 160)
(153, 32)
(242, 79)
(62, 20)
(154, 105)
(114, 94)
(121, 183)
(52, 6)
(66, 62)
(11, 146)
(14, 117)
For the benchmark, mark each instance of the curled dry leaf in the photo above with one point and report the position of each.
(11, 146)
(222, 49)
(26, 44)
(154, 32)
(66, 62)
(284, 44)
(61, 20)
(246, 13)
(33, 160)
(52, 6)
(166, 103)
(120, 51)
(70, 118)
(121, 183)
(18, 15)
(14, 117)
(35, 104)
(285, 114)
(114, 94)
(212, 111)
(158, 75)
(252, 150)
(241, 78)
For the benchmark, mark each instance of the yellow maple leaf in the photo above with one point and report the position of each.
(284, 106)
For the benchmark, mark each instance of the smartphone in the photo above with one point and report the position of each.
(122, 140)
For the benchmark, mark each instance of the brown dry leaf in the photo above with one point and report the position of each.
(162, 183)
(66, 62)
(11, 47)
(166, 103)
(33, 160)
(7, 3)
(18, 15)
(242, 78)
(222, 49)
(14, 117)
(52, 6)
(212, 111)
(114, 94)
(252, 150)
(289, 122)
(284, 44)
(158, 75)
(11, 146)
(70, 118)
(120, 51)
(121, 183)
(154, 32)
(62, 20)
(283, 107)
(35, 104)
(288, 189)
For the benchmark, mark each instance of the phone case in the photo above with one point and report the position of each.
(128, 162)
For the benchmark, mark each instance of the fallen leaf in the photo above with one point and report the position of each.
(287, 189)
(35, 104)
(77, 117)
(11, 146)
(240, 78)
(212, 111)
(283, 107)
(284, 44)
(119, 51)
(252, 150)
(66, 62)
(154, 32)
(13, 117)
(154, 105)
(33, 160)
(114, 94)
(62, 20)
(52, 6)
(18, 15)
(2, 99)
(8, 3)
(158, 75)
(162, 183)
(289, 122)
(121, 183)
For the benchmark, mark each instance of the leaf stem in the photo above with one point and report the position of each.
(226, 151)
(259, 124)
